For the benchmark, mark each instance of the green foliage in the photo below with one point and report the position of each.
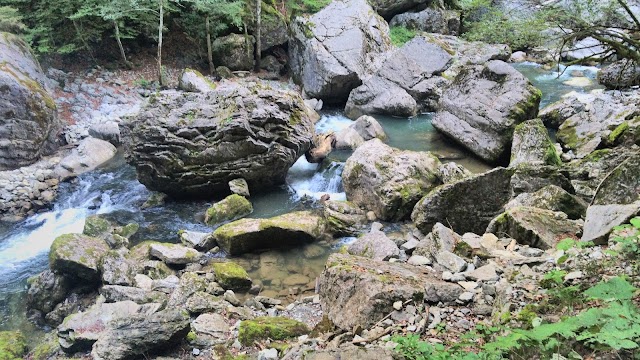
(400, 35)
(11, 20)
(553, 279)
(489, 24)
(412, 348)
(628, 239)
(613, 327)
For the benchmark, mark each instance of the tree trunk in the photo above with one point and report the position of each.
(209, 51)
(160, 27)
(322, 146)
(258, 35)
(122, 53)
(83, 40)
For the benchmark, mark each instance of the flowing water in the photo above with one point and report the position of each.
(114, 191)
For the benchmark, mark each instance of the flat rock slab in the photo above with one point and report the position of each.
(246, 235)
(357, 291)
(174, 254)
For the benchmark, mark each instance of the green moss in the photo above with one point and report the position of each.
(12, 345)
(618, 132)
(231, 208)
(528, 314)
(191, 336)
(46, 349)
(231, 276)
(128, 230)
(401, 35)
(274, 328)
(96, 225)
(59, 248)
(551, 156)
(568, 137)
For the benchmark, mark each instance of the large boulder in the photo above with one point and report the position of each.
(357, 291)
(88, 155)
(174, 254)
(246, 235)
(389, 181)
(534, 227)
(77, 255)
(532, 145)
(363, 129)
(389, 8)
(188, 144)
(274, 29)
(193, 80)
(333, 49)
(402, 82)
(375, 245)
(270, 327)
(46, 290)
(482, 107)
(233, 51)
(430, 20)
(467, 205)
(231, 276)
(29, 124)
(619, 75)
(139, 334)
(607, 119)
(616, 201)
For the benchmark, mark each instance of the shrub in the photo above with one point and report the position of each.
(400, 35)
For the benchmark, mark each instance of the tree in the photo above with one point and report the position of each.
(222, 13)
(258, 34)
(11, 20)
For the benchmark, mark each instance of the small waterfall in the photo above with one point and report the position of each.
(307, 182)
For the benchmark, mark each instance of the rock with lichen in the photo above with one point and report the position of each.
(77, 255)
(231, 276)
(192, 144)
(389, 181)
(532, 145)
(246, 235)
(231, 208)
(482, 107)
(29, 124)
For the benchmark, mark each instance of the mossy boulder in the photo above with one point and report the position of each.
(128, 230)
(192, 80)
(389, 181)
(233, 207)
(605, 119)
(246, 235)
(77, 255)
(274, 328)
(343, 218)
(231, 276)
(13, 345)
(532, 145)
(46, 349)
(234, 51)
(97, 226)
(534, 227)
(251, 130)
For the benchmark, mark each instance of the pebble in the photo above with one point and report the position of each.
(397, 305)
(195, 352)
(268, 354)
(466, 296)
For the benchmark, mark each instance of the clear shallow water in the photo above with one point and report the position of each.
(556, 82)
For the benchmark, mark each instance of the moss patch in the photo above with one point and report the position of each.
(618, 132)
(231, 276)
(12, 345)
(274, 328)
(231, 208)
(96, 225)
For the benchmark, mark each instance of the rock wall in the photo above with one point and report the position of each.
(28, 120)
